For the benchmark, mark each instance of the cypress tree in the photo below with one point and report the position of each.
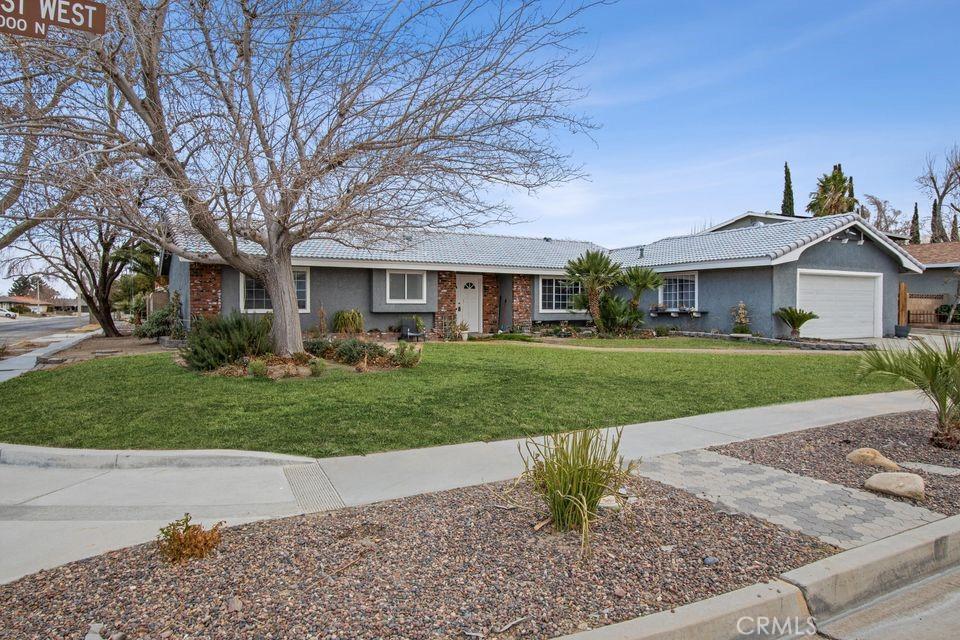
(786, 205)
(915, 226)
(954, 232)
(937, 232)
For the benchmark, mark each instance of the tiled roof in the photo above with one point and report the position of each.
(26, 300)
(766, 241)
(438, 248)
(935, 253)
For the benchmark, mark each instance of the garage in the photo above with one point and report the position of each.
(849, 303)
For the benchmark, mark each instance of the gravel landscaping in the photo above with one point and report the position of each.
(466, 563)
(821, 453)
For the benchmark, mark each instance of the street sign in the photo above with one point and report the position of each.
(32, 17)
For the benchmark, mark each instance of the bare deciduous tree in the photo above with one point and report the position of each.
(884, 216)
(941, 183)
(277, 121)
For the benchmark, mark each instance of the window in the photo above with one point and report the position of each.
(679, 291)
(255, 297)
(407, 286)
(557, 294)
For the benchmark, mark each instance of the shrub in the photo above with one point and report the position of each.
(572, 471)
(163, 322)
(317, 367)
(661, 331)
(348, 321)
(618, 315)
(180, 540)
(301, 358)
(321, 347)
(794, 318)
(514, 337)
(741, 318)
(219, 340)
(934, 372)
(352, 351)
(405, 355)
(257, 368)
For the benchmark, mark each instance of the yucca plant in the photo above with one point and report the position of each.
(794, 318)
(596, 273)
(934, 372)
(571, 471)
(639, 280)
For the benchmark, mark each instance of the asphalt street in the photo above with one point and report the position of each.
(12, 331)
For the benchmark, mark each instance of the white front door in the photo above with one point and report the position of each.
(469, 289)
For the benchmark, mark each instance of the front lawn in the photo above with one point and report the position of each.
(670, 342)
(461, 392)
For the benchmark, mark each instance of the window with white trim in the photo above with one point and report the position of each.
(679, 291)
(407, 287)
(254, 296)
(557, 294)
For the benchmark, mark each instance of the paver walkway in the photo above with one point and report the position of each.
(839, 515)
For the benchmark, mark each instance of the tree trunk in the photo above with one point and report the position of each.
(593, 298)
(100, 309)
(946, 437)
(278, 281)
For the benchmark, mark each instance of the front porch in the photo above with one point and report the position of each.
(485, 302)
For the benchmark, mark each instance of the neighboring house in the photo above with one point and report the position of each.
(68, 304)
(837, 266)
(35, 306)
(937, 285)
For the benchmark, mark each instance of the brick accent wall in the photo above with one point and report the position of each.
(491, 303)
(522, 302)
(446, 301)
(205, 285)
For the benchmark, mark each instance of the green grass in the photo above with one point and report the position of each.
(461, 392)
(671, 342)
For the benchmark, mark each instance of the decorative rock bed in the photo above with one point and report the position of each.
(797, 344)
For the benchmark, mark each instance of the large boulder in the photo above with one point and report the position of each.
(906, 485)
(872, 458)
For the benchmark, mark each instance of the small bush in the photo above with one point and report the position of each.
(180, 541)
(257, 368)
(794, 318)
(513, 337)
(661, 331)
(301, 358)
(163, 322)
(405, 355)
(352, 351)
(348, 321)
(321, 347)
(214, 342)
(741, 328)
(317, 367)
(571, 471)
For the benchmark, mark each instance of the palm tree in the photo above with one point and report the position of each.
(596, 273)
(794, 318)
(834, 194)
(934, 372)
(640, 279)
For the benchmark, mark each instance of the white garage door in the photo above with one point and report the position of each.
(849, 306)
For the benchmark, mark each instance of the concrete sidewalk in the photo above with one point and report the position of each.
(53, 515)
(12, 367)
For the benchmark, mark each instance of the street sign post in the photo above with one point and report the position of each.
(31, 18)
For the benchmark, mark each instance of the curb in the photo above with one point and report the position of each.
(835, 585)
(715, 618)
(821, 592)
(26, 455)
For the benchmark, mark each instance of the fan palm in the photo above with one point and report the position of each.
(934, 372)
(640, 279)
(794, 318)
(596, 274)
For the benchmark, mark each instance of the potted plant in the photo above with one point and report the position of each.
(463, 329)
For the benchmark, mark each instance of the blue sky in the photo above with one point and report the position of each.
(700, 103)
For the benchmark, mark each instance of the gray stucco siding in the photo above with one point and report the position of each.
(937, 280)
(335, 289)
(836, 256)
(718, 292)
(180, 283)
